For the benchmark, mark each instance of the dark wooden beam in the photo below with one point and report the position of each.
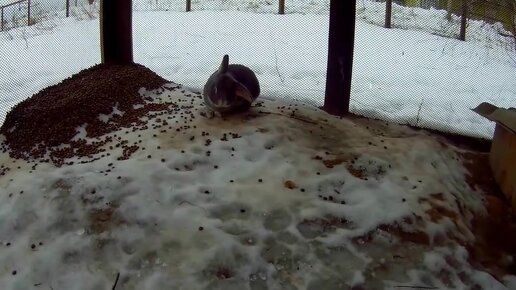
(116, 35)
(388, 13)
(340, 56)
(463, 20)
(281, 7)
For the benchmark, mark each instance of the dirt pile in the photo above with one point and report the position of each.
(51, 117)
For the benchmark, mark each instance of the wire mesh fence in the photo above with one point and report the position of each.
(417, 72)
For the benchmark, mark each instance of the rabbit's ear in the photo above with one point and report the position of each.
(243, 92)
(224, 65)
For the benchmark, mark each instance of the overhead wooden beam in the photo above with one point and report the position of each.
(340, 56)
(116, 35)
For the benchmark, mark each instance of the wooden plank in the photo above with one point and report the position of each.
(340, 56)
(116, 39)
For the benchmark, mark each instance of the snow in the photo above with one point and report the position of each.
(399, 75)
(176, 216)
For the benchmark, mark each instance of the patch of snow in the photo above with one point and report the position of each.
(186, 212)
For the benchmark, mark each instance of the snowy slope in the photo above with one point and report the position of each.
(285, 197)
(405, 76)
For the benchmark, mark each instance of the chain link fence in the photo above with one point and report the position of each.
(417, 72)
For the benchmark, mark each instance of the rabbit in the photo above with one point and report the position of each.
(231, 89)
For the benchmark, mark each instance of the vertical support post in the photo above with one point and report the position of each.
(28, 13)
(116, 39)
(188, 5)
(463, 20)
(2, 19)
(281, 7)
(67, 8)
(388, 13)
(449, 8)
(341, 40)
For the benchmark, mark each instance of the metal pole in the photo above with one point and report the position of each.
(340, 56)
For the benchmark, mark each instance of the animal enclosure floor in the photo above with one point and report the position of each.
(155, 195)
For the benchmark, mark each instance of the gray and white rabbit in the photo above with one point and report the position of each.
(231, 89)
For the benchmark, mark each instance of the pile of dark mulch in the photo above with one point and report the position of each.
(51, 117)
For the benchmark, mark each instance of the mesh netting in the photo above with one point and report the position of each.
(415, 73)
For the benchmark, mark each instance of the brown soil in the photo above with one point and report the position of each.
(495, 232)
(50, 117)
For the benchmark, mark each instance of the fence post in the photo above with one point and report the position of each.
(463, 20)
(188, 5)
(28, 13)
(116, 39)
(341, 38)
(67, 8)
(388, 13)
(449, 8)
(281, 8)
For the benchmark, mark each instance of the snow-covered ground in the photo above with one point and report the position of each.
(285, 197)
(406, 76)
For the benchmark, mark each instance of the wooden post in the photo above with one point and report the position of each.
(463, 20)
(188, 5)
(388, 13)
(67, 8)
(449, 8)
(340, 56)
(281, 8)
(116, 39)
(28, 13)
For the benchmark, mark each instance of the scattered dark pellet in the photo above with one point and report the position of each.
(201, 228)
